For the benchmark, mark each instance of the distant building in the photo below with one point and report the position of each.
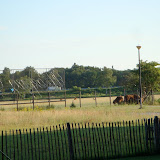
(54, 88)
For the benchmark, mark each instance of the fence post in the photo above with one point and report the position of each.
(70, 141)
(110, 95)
(33, 100)
(2, 146)
(95, 98)
(65, 97)
(17, 100)
(152, 96)
(124, 94)
(156, 133)
(49, 99)
(80, 98)
(147, 131)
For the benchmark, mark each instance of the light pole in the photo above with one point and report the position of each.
(140, 86)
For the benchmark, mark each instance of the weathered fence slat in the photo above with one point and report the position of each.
(10, 139)
(58, 140)
(127, 136)
(43, 156)
(21, 151)
(81, 142)
(156, 134)
(70, 142)
(107, 138)
(152, 149)
(124, 139)
(98, 140)
(49, 143)
(74, 137)
(134, 138)
(120, 139)
(2, 146)
(131, 133)
(61, 141)
(17, 144)
(90, 141)
(111, 143)
(65, 141)
(113, 139)
(38, 137)
(101, 140)
(94, 145)
(143, 135)
(6, 143)
(45, 148)
(27, 144)
(117, 140)
(30, 132)
(140, 142)
(50, 132)
(55, 142)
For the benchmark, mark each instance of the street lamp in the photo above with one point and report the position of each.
(140, 86)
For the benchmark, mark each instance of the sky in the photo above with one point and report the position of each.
(52, 33)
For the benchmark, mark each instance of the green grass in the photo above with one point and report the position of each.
(58, 114)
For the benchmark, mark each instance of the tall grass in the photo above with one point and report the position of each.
(88, 113)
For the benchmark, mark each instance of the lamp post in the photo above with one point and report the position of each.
(140, 86)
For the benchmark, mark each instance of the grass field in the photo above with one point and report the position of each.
(11, 119)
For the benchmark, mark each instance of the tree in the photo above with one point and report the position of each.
(106, 78)
(30, 72)
(5, 77)
(150, 77)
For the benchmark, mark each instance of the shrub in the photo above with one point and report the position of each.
(50, 107)
(72, 105)
(158, 100)
(2, 109)
(75, 88)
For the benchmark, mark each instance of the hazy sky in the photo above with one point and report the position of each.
(58, 33)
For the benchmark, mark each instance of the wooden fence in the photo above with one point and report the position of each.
(82, 141)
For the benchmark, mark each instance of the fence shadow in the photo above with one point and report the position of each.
(83, 141)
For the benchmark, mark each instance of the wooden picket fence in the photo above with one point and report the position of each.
(82, 141)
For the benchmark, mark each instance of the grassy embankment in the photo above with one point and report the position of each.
(11, 119)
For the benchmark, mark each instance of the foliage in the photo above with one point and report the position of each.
(72, 105)
(36, 108)
(150, 77)
(158, 101)
(50, 107)
(89, 77)
(75, 88)
(2, 109)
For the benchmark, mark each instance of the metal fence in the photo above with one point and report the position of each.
(83, 141)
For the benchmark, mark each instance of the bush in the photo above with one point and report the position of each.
(158, 100)
(2, 109)
(72, 105)
(50, 107)
(75, 88)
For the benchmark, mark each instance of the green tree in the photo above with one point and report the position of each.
(106, 78)
(150, 77)
(29, 72)
(5, 77)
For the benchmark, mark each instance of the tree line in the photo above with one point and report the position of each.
(85, 77)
